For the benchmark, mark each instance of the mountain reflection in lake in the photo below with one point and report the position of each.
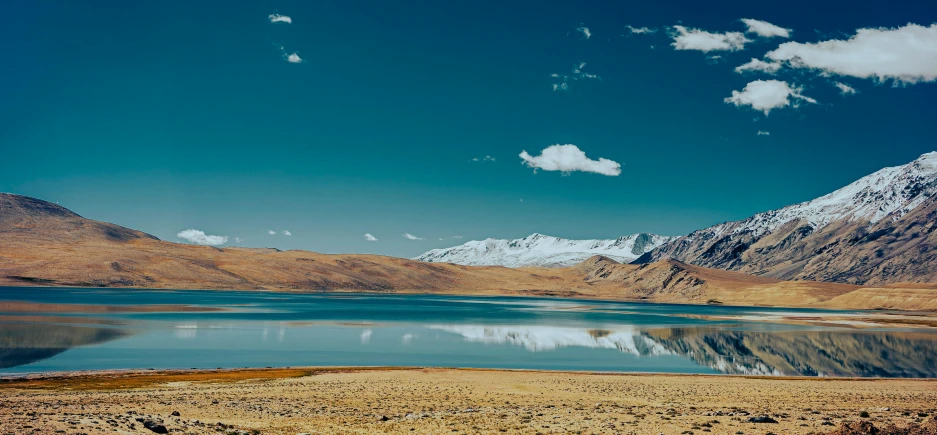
(22, 344)
(264, 329)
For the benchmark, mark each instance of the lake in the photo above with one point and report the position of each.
(261, 329)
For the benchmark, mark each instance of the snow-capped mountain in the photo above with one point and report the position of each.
(877, 229)
(888, 193)
(543, 251)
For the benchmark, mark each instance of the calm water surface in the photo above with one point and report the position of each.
(276, 329)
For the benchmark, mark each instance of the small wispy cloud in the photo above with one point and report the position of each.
(411, 236)
(369, 237)
(695, 39)
(765, 29)
(764, 133)
(562, 80)
(845, 89)
(200, 238)
(237, 240)
(767, 95)
(758, 65)
(569, 158)
(484, 159)
(287, 233)
(271, 232)
(289, 57)
(277, 18)
(639, 30)
(456, 237)
(586, 33)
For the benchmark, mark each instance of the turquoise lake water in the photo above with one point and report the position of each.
(262, 329)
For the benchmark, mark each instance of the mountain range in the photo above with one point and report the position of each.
(877, 230)
(867, 245)
(539, 250)
(44, 244)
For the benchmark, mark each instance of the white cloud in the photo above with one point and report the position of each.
(845, 89)
(765, 29)
(369, 237)
(292, 57)
(456, 237)
(584, 30)
(701, 40)
(577, 74)
(569, 158)
(287, 233)
(639, 30)
(484, 159)
(237, 240)
(411, 236)
(766, 95)
(199, 237)
(271, 232)
(759, 65)
(764, 133)
(277, 18)
(906, 54)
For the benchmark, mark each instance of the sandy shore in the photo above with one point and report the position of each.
(424, 401)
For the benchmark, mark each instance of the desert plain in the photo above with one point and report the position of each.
(450, 401)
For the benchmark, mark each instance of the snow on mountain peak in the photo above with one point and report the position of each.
(888, 193)
(543, 251)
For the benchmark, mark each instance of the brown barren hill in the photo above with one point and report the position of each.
(44, 244)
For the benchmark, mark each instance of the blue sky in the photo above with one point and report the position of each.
(176, 115)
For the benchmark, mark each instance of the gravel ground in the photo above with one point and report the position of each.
(450, 401)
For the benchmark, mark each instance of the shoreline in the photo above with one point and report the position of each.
(810, 295)
(11, 380)
(418, 400)
(830, 317)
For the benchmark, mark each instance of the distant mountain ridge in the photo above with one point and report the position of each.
(44, 244)
(876, 230)
(538, 250)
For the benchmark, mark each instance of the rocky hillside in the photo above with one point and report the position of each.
(877, 230)
(538, 250)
